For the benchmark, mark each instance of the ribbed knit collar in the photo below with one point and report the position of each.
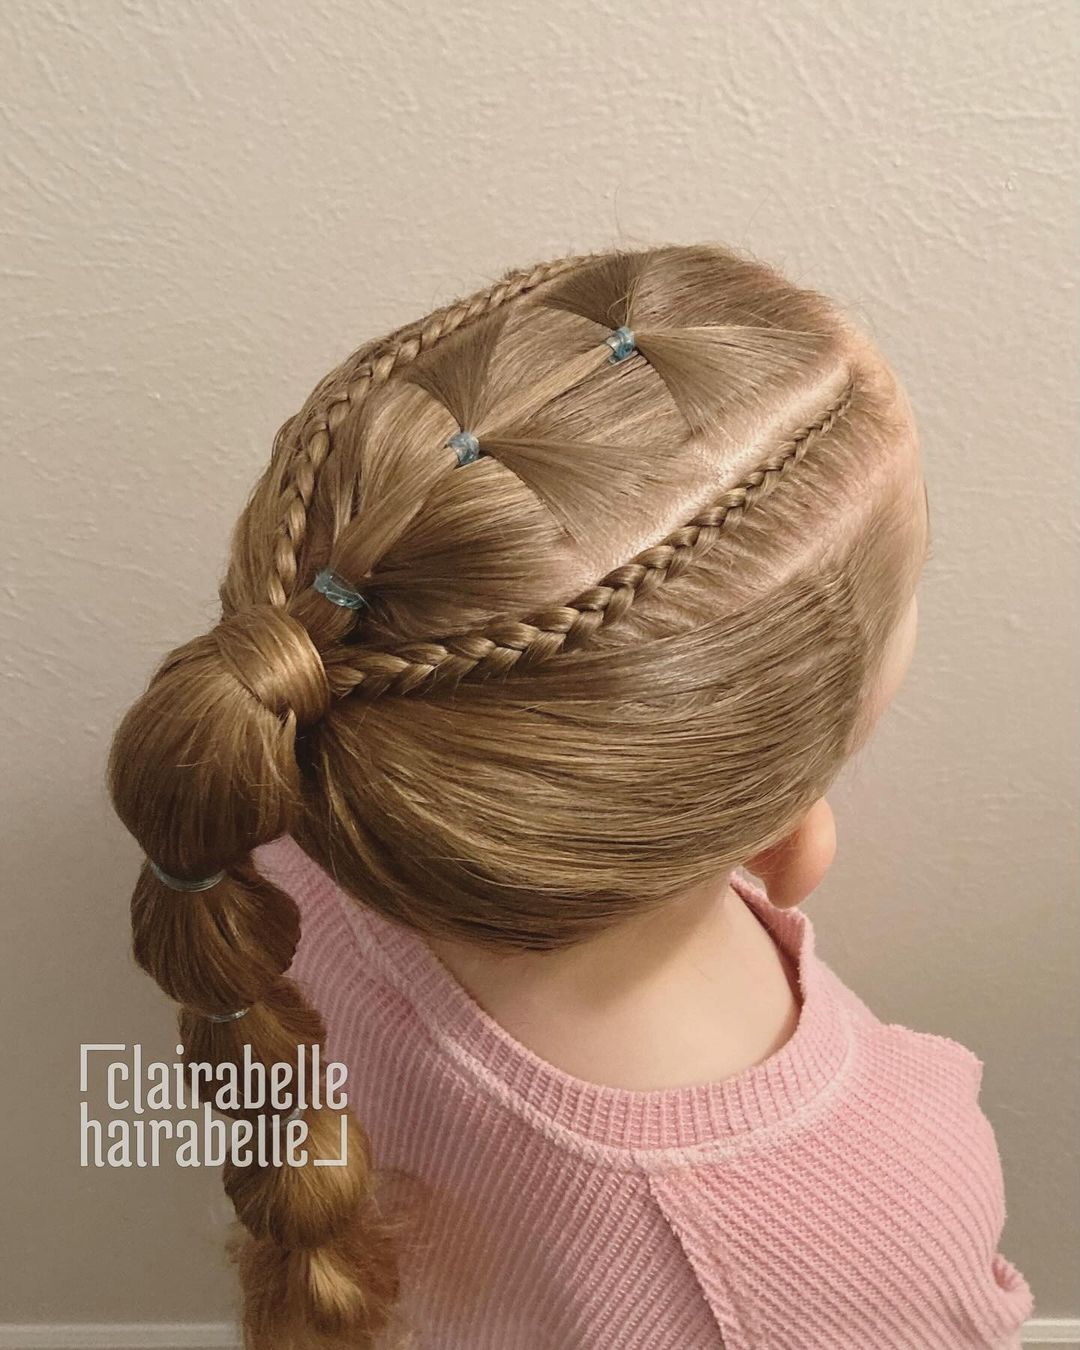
(747, 1110)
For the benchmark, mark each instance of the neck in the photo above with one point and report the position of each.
(687, 943)
(693, 993)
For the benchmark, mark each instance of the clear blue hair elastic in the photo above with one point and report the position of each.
(622, 344)
(467, 446)
(338, 590)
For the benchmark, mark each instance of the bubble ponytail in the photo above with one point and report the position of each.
(202, 771)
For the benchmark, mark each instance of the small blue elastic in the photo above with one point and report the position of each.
(179, 884)
(466, 445)
(621, 342)
(338, 590)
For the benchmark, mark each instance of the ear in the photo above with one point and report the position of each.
(794, 867)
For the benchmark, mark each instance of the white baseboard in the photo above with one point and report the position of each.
(1062, 1333)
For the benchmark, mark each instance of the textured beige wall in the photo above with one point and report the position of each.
(204, 206)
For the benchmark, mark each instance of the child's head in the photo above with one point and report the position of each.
(615, 645)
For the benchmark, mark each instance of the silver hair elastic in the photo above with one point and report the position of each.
(466, 445)
(338, 590)
(226, 1017)
(622, 344)
(179, 884)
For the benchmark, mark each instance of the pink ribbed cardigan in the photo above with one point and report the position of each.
(845, 1194)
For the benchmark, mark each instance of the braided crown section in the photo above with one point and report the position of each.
(503, 646)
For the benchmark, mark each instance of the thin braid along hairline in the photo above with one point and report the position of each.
(500, 645)
(373, 364)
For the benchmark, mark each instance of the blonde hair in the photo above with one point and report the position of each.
(621, 652)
